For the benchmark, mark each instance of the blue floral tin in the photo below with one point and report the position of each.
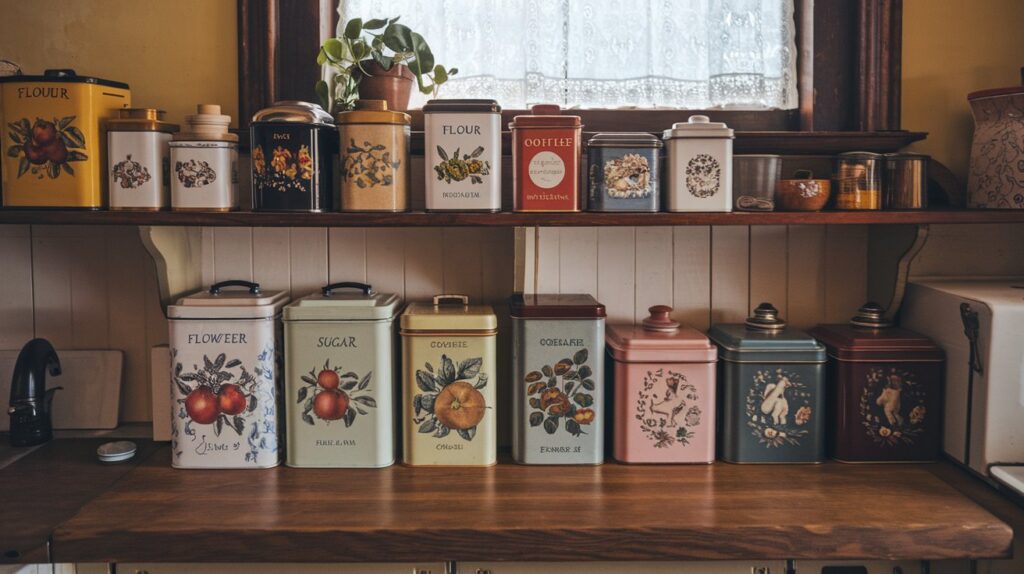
(623, 172)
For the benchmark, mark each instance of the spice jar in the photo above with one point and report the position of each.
(204, 163)
(885, 390)
(224, 373)
(138, 156)
(463, 155)
(664, 376)
(293, 147)
(859, 180)
(546, 160)
(699, 165)
(771, 391)
(339, 401)
(52, 131)
(374, 144)
(558, 405)
(623, 172)
(906, 181)
(448, 363)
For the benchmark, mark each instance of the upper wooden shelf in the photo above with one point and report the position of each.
(422, 219)
(533, 513)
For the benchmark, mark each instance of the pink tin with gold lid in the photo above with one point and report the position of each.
(664, 377)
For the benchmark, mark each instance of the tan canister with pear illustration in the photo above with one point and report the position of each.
(448, 363)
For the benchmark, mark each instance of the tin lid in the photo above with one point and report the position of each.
(870, 335)
(294, 111)
(64, 76)
(764, 337)
(373, 112)
(218, 302)
(907, 156)
(859, 155)
(444, 106)
(545, 116)
(140, 120)
(698, 126)
(659, 338)
(346, 301)
(448, 313)
(555, 306)
(207, 124)
(624, 140)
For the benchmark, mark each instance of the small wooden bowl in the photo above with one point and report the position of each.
(802, 194)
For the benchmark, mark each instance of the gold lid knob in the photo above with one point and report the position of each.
(765, 318)
(871, 315)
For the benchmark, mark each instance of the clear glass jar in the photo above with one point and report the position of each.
(858, 180)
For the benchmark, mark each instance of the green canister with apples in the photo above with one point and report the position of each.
(339, 384)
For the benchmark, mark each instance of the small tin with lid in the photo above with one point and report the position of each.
(858, 181)
(623, 172)
(558, 406)
(225, 347)
(771, 391)
(906, 181)
(339, 356)
(885, 390)
(374, 151)
(664, 378)
(449, 380)
(138, 156)
(699, 164)
(463, 155)
(546, 160)
(293, 147)
(204, 163)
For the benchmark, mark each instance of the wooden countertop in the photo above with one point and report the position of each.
(510, 512)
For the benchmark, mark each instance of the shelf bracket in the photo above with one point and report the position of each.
(891, 251)
(178, 255)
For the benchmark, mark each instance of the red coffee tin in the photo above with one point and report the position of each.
(546, 159)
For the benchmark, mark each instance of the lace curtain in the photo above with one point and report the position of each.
(607, 53)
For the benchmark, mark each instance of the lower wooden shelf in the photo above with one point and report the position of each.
(531, 513)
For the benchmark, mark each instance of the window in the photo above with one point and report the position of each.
(696, 54)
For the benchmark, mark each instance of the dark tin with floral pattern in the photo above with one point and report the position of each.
(293, 146)
(623, 172)
(771, 391)
(885, 390)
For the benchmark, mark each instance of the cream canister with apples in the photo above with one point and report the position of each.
(224, 377)
(463, 155)
(339, 400)
(449, 380)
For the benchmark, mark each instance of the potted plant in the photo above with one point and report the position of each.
(377, 59)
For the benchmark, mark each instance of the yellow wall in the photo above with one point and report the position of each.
(951, 48)
(174, 54)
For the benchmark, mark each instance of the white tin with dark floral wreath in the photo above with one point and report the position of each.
(225, 357)
(204, 175)
(699, 165)
(138, 170)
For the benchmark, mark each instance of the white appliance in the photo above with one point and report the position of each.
(980, 325)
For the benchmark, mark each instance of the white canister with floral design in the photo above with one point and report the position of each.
(699, 165)
(463, 155)
(225, 356)
(204, 163)
(138, 159)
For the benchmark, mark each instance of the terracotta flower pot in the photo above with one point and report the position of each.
(392, 85)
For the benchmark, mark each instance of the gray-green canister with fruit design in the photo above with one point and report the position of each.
(558, 373)
(771, 391)
(339, 385)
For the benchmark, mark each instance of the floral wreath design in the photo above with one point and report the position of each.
(627, 177)
(551, 398)
(663, 427)
(778, 408)
(194, 173)
(130, 174)
(703, 176)
(892, 407)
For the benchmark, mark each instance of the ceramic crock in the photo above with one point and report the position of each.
(293, 146)
(995, 179)
(558, 406)
(771, 392)
(374, 152)
(139, 159)
(623, 172)
(546, 160)
(204, 163)
(699, 164)
(463, 155)
(884, 390)
(664, 378)
(52, 129)
(339, 390)
(449, 380)
(225, 346)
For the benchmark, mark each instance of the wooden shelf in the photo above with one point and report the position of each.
(532, 513)
(421, 219)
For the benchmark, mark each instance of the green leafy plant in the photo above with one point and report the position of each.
(381, 40)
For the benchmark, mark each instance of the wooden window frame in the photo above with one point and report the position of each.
(848, 67)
